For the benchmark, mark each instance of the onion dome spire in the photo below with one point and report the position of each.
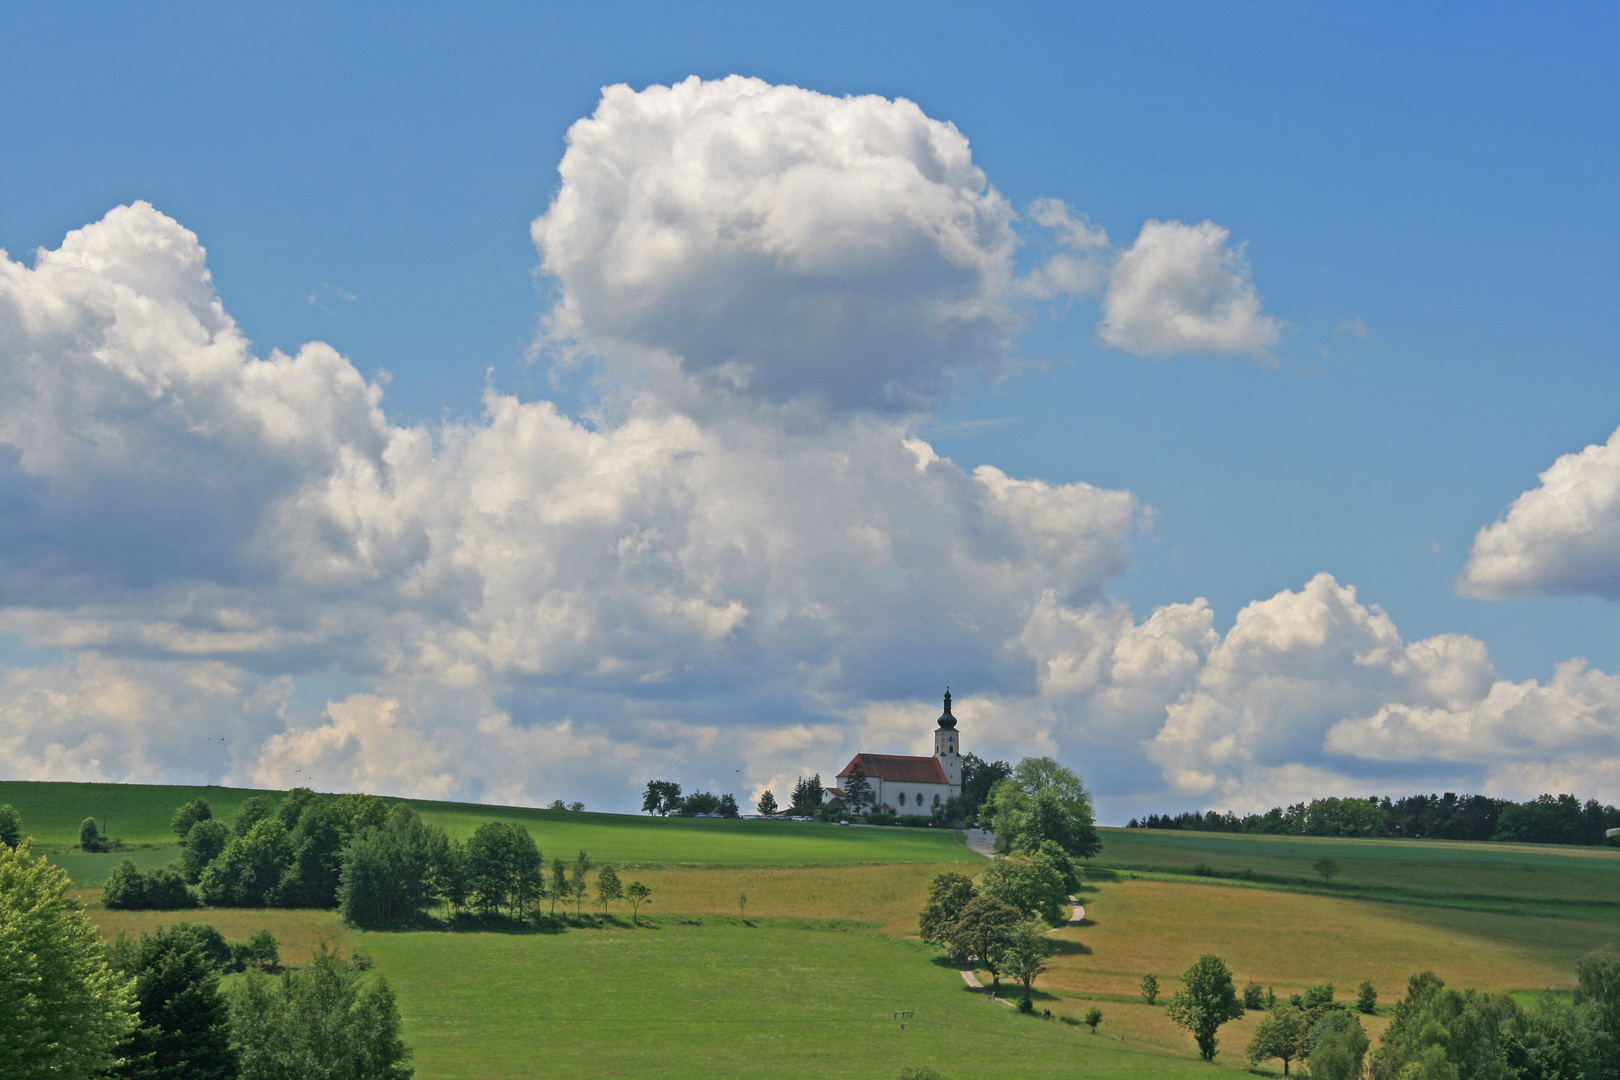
(946, 720)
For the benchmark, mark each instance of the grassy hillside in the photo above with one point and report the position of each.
(1516, 878)
(140, 814)
(811, 979)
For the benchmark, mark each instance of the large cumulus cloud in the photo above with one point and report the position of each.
(780, 242)
(183, 500)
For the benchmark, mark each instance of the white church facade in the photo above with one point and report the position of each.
(903, 784)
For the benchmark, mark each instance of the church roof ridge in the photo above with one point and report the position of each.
(900, 768)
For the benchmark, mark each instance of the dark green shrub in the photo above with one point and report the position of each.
(259, 951)
(128, 889)
(10, 826)
(880, 818)
(1254, 997)
(915, 821)
(90, 838)
(125, 889)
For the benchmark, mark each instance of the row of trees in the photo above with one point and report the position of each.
(1546, 819)
(154, 1007)
(663, 797)
(377, 865)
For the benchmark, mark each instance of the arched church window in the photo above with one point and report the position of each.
(936, 800)
(902, 798)
(919, 798)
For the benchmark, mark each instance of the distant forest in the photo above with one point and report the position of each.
(1546, 819)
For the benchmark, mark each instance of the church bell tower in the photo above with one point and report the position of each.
(947, 747)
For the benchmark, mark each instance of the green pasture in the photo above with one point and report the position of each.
(1529, 878)
(92, 868)
(713, 997)
(140, 814)
(637, 841)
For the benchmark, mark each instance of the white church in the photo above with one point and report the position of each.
(908, 785)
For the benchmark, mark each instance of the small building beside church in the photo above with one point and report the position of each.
(903, 784)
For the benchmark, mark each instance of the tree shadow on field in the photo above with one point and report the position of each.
(1097, 873)
(1064, 947)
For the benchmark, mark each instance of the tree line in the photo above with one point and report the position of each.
(1436, 1033)
(378, 865)
(1546, 819)
(154, 1006)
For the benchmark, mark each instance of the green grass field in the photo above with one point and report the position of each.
(813, 981)
(720, 999)
(1519, 878)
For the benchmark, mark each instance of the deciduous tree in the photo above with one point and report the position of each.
(637, 894)
(188, 815)
(984, 931)
(662, 797)
(323, 1021)
(576, 881)
(608, 887)
(253, 810)
(1327, 867)
(204, 843)
(250, 868)
(947, 896)
(559, 883)
(767, 804)
(1150, 989)
(1338, 1045)
(1030, 883)
(1043, 800)
(1280, 1035)
(1206, 1000)
(64, 1009)
(1028, 956)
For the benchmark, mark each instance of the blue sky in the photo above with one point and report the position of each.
(1424, 198)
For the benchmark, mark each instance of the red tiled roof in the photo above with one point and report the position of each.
(897, 768)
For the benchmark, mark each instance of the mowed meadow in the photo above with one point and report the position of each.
(813, 971)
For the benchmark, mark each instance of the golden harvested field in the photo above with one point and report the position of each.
(297, 932)
(888, 897)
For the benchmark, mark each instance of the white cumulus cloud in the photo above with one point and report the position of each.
(1561, 537)
(780, 243)
(1184, 288)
